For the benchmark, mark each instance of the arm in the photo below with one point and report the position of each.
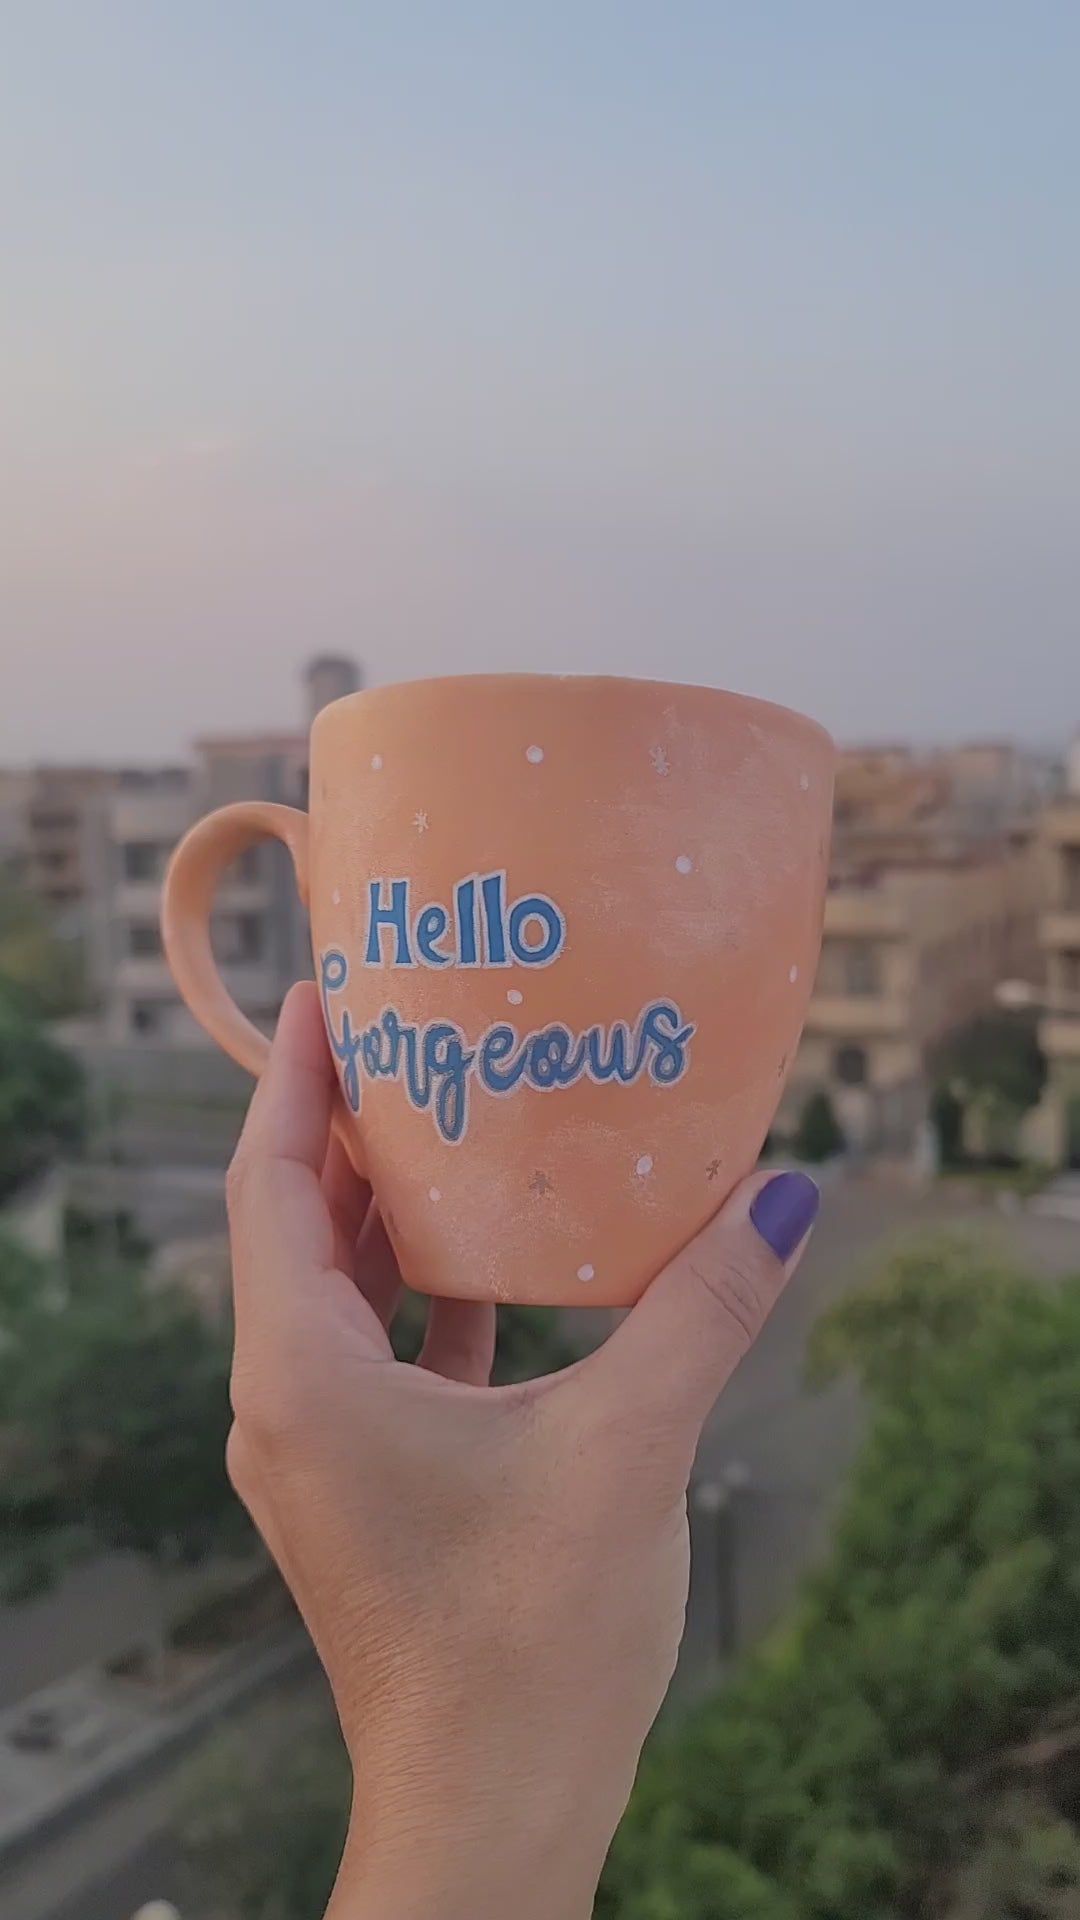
(495, 1578)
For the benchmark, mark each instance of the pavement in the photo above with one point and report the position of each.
(98, 1610)
(106, 1867)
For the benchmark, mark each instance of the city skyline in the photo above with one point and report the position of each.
(737, 351)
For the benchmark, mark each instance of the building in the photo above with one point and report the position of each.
(908, 953)
(260, 931)
(48, 817)
(137, 829)
(932, 902)
(1053, 1132)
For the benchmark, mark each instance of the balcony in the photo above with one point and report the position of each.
(161, 817)
(137, 900)
(1061, 824)
(1059, 929)
(853, 913)
(851, 1016)
(146, 976)
(1059, 1037)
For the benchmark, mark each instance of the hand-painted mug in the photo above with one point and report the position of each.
(564, 932)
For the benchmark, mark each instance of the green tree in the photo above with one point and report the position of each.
(42, 970)
(819, 1135)
(853, 1765)
(947, 1117)
(41, 1095)
(113, 1413)
(993, 1063)
(262, 1823)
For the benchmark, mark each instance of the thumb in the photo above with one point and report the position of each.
(682, 1342)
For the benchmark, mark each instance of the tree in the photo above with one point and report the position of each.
(819, 1135)
(41, 1095)
(947, 1118)
(42, 970)
(993, 1063)
(262, 1822)
(863, 1765)
(114, 1411)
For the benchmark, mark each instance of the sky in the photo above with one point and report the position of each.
(706, 341)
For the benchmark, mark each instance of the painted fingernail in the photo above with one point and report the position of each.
(785, 1210)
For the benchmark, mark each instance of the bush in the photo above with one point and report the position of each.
(114, 1410)
(262, 1823)
(857, 1765)
(819, 1135)
(41, 1096)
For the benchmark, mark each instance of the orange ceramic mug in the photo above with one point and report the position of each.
(565, 932)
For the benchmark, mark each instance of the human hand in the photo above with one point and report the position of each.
(495, 1579)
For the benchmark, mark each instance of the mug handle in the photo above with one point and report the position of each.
(191, 881)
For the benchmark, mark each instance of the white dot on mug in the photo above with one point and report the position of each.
(793, 975)
(586, 1272)
(804, 782)
(336, 896)
(434, 1193)
(515, 996)
(684, 864)
(534, 755)
(644, 1165)
(376, 762)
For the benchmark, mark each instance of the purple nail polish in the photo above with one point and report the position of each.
(785, 1211)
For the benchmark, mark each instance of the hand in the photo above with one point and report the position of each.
(495, 1578)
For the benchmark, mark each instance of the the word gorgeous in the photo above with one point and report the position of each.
(481, 929)
(436, 1065)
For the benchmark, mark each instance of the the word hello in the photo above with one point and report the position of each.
(436, 1065)
(482, 929)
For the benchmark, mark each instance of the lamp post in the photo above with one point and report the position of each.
(717, 1501)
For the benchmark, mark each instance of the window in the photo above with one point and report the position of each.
(1070, 972)
(1071, 864)
(142, 860)
(58, 821)
(247, 869)
(238, 937)
(849, 1066)
(146, 1017)
(862, 968)
(144, 939)
(849, 967)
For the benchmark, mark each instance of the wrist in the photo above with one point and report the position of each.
(479, 1875)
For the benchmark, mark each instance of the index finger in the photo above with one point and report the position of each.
(279, 1221)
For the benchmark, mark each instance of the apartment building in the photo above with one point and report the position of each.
(1053, 1132)
(260, 931)
(933, 901)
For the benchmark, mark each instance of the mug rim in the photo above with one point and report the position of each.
(770, 710)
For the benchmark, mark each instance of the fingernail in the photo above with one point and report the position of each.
(785, 1210)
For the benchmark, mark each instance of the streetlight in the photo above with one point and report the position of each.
(717, 1502)
(157, 1910)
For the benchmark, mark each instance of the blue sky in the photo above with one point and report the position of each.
(724, 342)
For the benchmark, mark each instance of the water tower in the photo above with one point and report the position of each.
(330, 677)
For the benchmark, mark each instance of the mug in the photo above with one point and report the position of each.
(565, 932)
